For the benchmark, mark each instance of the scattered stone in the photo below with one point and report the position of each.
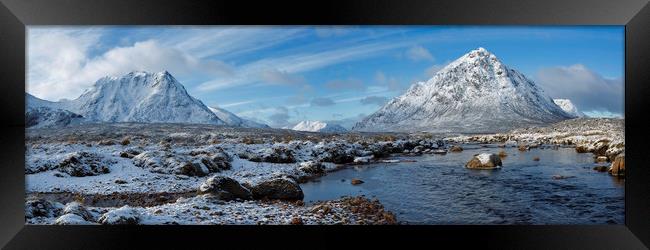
(523, 148)
(106, 142)
(601, 158)
(125, 141)
(536, 158)
(363, 159)
(455, 148)
(120, 181)
(356, 182)
(296, 221)
(225, 188)
(484, 161)
(279, 188)
(440, 151)
(581, 149)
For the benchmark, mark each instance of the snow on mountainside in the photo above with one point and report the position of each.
(568, 107)
(137, 97)
(234, 120)
(318, 126)
(475, 93)
(41, 113)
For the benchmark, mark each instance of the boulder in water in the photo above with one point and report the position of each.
(484, 161)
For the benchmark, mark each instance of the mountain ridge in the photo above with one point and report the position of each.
(474, 93)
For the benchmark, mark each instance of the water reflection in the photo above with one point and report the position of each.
(437, 189)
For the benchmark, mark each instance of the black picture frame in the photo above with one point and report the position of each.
(16, 14)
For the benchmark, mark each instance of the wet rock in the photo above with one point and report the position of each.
(225, 188)
(502, 154)
(536, 159)
(356, 182)
(484, 161)
(456, 148)
(601, 158)
(312, 167)
(601, 168)
(523, 148)
(125, 215)
(42, 208)
(279, 188)
(618, 166)
(581, 149)
(81, 164)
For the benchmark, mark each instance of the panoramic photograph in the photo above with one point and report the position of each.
(325, 125)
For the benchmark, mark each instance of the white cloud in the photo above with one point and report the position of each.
(60, 66)
(419, 53)
(589, 91)
(54, 58)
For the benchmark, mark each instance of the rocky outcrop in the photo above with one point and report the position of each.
(42, 208)
(80, 164)
(191, 164)
(225, 188)
(618, 166)
(274, 155)
(312, 167)
(484, 161)
(279, 188)
(125, 215)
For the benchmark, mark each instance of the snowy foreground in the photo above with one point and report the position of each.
(130, 173)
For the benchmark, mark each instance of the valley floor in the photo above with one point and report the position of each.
(201, 174)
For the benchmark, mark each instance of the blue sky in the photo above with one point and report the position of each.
(282, 75)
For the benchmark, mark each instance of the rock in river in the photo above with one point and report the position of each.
(484, 161)
(618, 166)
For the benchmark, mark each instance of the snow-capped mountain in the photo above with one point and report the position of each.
(136, 97)
(568, 107)
(234, 120)
(318, 126)
(475, 93)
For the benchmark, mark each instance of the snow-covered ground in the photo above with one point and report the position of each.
(156, 169)
(107, 166)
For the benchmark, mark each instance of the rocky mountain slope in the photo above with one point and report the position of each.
(475, 93)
